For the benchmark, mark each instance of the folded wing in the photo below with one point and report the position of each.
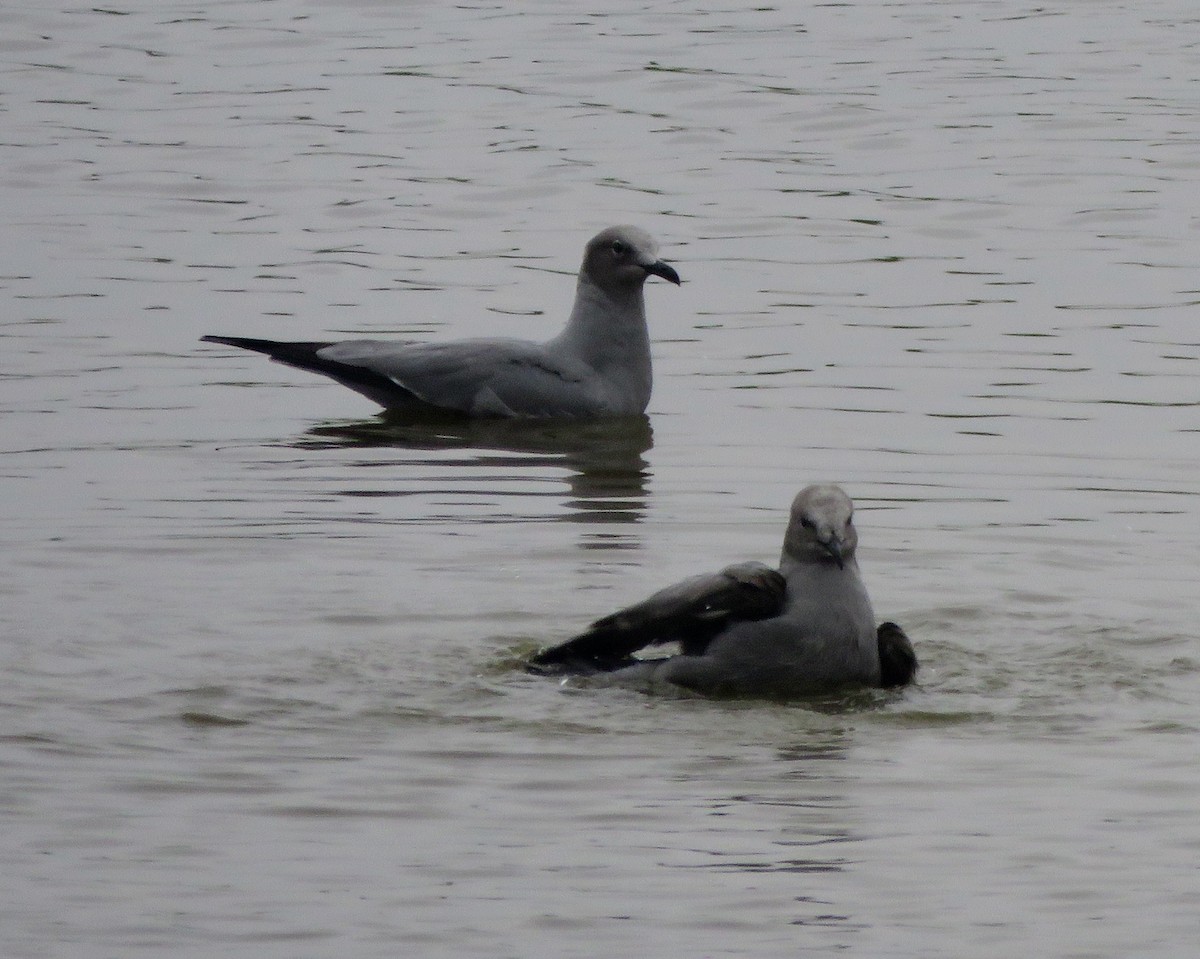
(489, 377)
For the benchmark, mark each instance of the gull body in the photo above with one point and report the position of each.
(598, 365)
(750, 630)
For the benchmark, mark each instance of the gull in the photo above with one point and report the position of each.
(599, 365)
(750, 630)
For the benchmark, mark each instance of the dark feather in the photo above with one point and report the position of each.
(691, 613)
(897, 660)
(303, 355)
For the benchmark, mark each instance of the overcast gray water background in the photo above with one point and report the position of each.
(259, 694)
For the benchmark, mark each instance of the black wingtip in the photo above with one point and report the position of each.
(897, 660)
(270, 347)
(560, 661)
(301, 354)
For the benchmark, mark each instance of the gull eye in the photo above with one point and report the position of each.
(619, 248)
(807, 523)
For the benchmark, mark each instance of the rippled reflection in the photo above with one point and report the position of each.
(602, 463)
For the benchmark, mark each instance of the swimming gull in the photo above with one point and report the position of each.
(599, 365)
(749, 630)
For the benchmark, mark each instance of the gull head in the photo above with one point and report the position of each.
(821, 528)
(622, 257)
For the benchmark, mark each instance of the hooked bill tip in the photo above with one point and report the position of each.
(667, 272)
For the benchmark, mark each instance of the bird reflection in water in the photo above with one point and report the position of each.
(602, 462)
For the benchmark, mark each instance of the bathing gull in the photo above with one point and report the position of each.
(749, 630)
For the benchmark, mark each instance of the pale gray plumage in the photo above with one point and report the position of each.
(599, 365)
(750, 630)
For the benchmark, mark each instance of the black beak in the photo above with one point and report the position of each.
(834, 549)
(659, 268)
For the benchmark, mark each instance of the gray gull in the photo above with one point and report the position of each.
(599, 365)
(749, 630)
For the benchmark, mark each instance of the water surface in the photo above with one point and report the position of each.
(259, 644)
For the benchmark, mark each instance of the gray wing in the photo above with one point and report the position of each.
(691, 612)
(498, 377)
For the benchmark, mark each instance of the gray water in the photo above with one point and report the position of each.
(259, 689)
